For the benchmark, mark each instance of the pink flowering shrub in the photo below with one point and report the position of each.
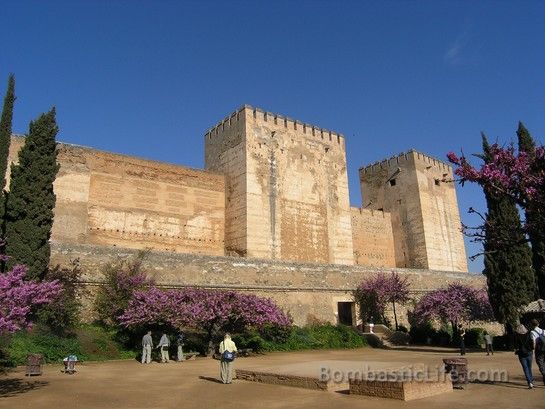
(454, 304)
(375, 293)
(121, 280)
(18, 297)
(213, 311)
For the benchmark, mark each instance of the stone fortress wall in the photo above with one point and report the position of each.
(372, 238)
(274, 200)
(310, 292)
(121, 201)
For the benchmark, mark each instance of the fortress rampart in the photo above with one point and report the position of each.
(122, 201)
(308, 291)
(372, 238)
(275, 196)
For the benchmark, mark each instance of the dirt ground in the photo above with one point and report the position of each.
(194, 384)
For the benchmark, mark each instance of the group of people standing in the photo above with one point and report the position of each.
(227, 349)
(164, 345)
(528, 344)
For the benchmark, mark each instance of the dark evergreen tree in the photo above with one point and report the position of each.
(5, 139)
(5, 130)
(535, 215)
(508, 259)
(29, 210)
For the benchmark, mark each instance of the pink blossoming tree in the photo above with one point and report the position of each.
(18, 297)
(516, 174)
(454, 304)
(375, 293)
(210, 310)
(121, 279)
(519, 175)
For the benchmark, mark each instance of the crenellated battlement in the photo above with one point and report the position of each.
(226, 122)
(373, 212)
(278, 120)
(403, 157)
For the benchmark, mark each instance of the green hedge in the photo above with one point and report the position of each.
(88, 343)
(426, 334)
(94, 343)
(324, 336)
(475, 337)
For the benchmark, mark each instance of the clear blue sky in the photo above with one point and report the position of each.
(147, 78)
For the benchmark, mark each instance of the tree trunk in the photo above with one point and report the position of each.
(395, 315)
(455, 333)
(212, 333)
(510, 336)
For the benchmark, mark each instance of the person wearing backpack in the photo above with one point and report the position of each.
(227, 351)
(538, 337)
(524, 350)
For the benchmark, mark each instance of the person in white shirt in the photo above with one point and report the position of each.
(147, 345)
(538, 336)
(227, 351)
(164, 344)
(488, 341)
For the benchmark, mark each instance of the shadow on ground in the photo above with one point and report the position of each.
(210, 379)
(13, 387)
(430, 350)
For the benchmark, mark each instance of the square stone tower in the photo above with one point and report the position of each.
(424, 210)
(286, 188)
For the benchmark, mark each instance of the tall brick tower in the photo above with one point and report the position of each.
(286, 187)
(424, 210)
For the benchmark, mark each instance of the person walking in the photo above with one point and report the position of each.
(164, 344)
(227, 351)
(488, 342)
(147, 345)
(538, 339)
(462, 341)
(523, 349)
(180, 344)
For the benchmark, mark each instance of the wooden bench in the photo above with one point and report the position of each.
(190, 356)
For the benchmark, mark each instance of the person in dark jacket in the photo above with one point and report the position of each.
(180, 344)
(462, 341)
(524, 350)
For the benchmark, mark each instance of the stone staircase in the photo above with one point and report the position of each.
(384, 337)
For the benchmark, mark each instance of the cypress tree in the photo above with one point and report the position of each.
(508, 259)
(535, 216)
(29, 210)
(5, 130)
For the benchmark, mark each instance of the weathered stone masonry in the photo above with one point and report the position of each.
(275, 195)
(287, 187)
(116, 200)
(308, 291)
